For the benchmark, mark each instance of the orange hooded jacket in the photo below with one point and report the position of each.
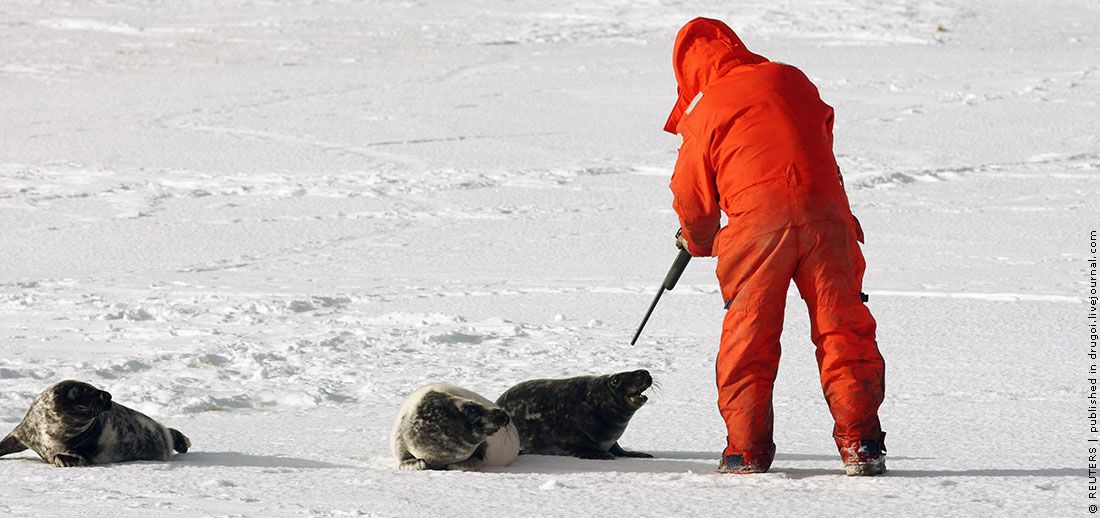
(758, 144)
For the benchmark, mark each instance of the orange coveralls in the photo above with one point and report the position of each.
(758, 146)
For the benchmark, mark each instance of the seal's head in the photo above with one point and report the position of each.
(452, 427)
(482, 419)
(628, 387)
(79, 399)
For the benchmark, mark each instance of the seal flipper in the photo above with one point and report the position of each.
(69, 460)
(180, 442)
(413, 464)
(618, 451)
(11, 445)
(471, 464)
(591, 452)
(405, 459)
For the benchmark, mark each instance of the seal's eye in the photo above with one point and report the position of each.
(76, 392)
(472, 411)
(616, 380)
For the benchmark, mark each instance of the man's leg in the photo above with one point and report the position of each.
(755, 275)
(843, 330)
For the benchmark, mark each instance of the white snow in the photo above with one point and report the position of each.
(266, 223)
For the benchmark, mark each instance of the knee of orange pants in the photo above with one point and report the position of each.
(748, 360)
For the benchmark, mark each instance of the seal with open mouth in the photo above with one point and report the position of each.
(75, 424)
(581, 417)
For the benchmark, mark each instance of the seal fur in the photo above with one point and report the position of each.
(73, 423)
(582, 417)
(441, 426)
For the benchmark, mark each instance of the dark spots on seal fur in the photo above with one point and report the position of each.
(453, 428)
(441, 426)
(73, 423)
(436, 419)
(581, 417)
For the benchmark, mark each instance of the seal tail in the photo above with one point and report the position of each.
(11, 445)
(180, 442)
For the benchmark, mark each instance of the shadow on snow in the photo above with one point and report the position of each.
(207, 458)
(706, 462)
(234, 459)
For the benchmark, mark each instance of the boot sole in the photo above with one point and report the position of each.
(721, 471)
(868, 469)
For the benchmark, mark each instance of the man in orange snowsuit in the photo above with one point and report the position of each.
(758, 146)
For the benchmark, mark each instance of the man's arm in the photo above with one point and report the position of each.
(695, 196)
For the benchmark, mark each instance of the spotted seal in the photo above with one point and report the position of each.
(441, 426)
(75, 424)
(581, 417)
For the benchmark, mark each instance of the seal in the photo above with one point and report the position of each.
(581, 417)
(441, 426)
(75, 424)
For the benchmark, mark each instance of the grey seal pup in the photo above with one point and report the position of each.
(75, 424)
(441, 426)
(581, 417)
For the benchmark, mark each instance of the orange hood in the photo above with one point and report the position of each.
(705, 50)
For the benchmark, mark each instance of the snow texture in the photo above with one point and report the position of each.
(266, 223)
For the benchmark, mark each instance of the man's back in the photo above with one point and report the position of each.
(770, 140)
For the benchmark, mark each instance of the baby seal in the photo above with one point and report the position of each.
(582, 417)
(441, 426)
(75, 424)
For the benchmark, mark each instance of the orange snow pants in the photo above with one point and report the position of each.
(826, 264)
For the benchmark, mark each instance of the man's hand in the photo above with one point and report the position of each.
(681, 243)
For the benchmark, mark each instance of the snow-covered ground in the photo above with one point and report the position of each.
(265, 223)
